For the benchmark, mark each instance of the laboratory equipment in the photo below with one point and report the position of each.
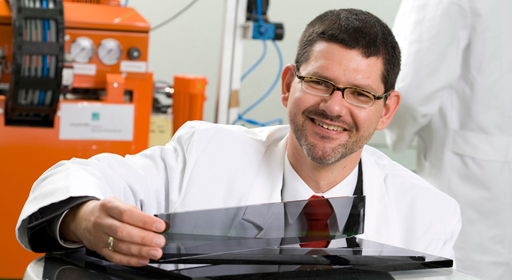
(74, 82)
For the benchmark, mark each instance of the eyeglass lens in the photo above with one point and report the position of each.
(352, 95)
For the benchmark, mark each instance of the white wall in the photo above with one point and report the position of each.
(191, 45)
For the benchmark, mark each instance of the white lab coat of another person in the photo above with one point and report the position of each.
(456, 97)
(210, 166)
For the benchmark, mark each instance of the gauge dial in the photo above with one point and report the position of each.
(82, 49)
(109, 51)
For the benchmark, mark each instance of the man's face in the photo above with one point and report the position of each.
(329, 129)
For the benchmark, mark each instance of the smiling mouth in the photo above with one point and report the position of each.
(329, 127)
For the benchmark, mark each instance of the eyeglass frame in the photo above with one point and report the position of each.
(341, 89)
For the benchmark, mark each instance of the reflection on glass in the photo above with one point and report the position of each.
(257, 226)
(266, 220)
(273, 241)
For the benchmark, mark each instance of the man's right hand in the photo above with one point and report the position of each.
(136, 234)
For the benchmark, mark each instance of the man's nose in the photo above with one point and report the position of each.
(334, 104)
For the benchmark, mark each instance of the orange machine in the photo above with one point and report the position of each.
(107, 109)
(188, 99)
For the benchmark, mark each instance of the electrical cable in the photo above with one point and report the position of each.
(46, 30)
(52, 60)
(273, 84)
(125, 3)
(258, 5)
(173, 17)
(241, 116)
(278, 120)
(257, 62)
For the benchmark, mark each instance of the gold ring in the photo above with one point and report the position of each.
(111, 244)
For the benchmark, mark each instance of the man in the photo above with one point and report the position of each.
(456, 99)
(338, 92)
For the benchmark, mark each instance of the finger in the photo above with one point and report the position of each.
(132, 234)
(133, 216)
(131, 249)
(126, 253)
(97, 225)
(123, 259)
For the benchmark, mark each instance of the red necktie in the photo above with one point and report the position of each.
(317, 212)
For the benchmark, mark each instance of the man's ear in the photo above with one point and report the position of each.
(389, 109)
(286, 83)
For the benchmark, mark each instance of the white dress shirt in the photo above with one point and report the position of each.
(294, 188)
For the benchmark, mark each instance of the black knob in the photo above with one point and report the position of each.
(279, 33)
(134, 53)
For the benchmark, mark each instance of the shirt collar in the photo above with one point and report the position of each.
(294, 188)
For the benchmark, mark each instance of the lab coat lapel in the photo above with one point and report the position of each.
(269, 179)
(267, 189)
(269, 218)
(268, 184)
(378, 223)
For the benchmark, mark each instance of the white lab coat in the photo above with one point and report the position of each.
(456, 97)
(211, 166)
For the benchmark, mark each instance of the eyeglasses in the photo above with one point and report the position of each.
(352, 95)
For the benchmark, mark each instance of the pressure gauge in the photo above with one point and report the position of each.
(109, 51)
(82, 49)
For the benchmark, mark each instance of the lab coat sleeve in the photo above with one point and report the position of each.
(434, 217)
(41, 228)
(150, 180)
(432, 35)
(452, 233)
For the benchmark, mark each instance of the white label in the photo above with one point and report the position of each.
(84, 69)
(94, 121)
(67, 77)
(133, 66)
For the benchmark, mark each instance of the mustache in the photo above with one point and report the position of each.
(320, 114)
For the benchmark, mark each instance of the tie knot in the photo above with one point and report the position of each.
(317, 209)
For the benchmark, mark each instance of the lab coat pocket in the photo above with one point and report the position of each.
(482, 146)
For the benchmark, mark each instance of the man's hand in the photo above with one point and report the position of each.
(135, 233)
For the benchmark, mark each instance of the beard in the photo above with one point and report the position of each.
(326, 155)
